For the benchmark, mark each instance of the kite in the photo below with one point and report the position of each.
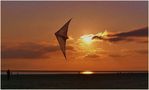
(61, 36)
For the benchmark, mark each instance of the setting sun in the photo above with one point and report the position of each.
(87, 38)
(86, 44)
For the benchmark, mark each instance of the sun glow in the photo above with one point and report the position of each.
(87, 72)
(87, 39)
(88, 45)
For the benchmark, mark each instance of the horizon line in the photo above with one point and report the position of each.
(74, 70)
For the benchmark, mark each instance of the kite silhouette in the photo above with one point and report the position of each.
(62, 36)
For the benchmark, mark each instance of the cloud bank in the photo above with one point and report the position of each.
(29, 50)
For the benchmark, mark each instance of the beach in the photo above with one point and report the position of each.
(76, 81)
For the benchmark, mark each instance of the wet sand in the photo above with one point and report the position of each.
(76, 81)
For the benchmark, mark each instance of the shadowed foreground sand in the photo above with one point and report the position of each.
(76, 81)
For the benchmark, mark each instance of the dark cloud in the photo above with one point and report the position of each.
(126, 36)
(29, 50)
(143, 41)
(143, 32)
(141, 51)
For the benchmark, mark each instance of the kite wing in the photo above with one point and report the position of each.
(61, 36)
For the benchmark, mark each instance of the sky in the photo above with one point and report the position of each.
(103, 35)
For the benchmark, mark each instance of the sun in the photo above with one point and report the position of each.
(86, 44)
(87, 39)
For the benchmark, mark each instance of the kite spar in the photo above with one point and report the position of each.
(61, 36)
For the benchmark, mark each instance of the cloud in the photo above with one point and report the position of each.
(143, 32)
(91, 56)
(141, 51)
(29, 50)
(125, 36)
(116, 55)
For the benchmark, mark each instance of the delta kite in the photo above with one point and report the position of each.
(62, 36)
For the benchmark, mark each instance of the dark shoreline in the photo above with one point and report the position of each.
(76, 81)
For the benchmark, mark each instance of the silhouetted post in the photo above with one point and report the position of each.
(8, 74)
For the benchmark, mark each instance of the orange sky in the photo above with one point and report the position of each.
(28, 40)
